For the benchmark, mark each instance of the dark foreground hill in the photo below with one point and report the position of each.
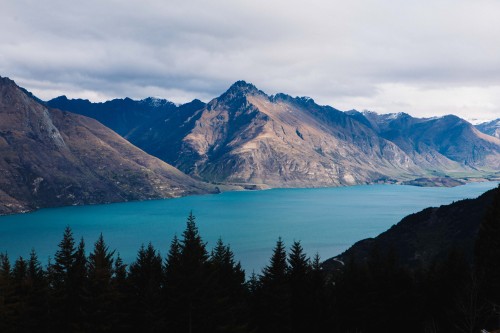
(427, 236)
(51, 158)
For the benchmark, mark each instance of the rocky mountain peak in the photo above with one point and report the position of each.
(5, 81)
(242, 85)
(240, 89)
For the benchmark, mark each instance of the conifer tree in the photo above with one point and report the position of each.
(121, 302)
(19, 295)
(120, 272)
(318, 295)
(37, 311)
(79, 278)
(274, 301)
(35, 271)
(100, 266)
(276, 272)
(228, 291)
(5, 293)
(299, 273)
(68, 278)
(145, 280)
(228, 272)
(298, 263)
(172, 296)
(20, 271)
(172, 263)
(194, 287)
(64, 307)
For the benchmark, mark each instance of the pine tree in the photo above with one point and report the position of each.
(274, 300)
(79, 278)
(6, 289)
(276, 273)
(172, 263)
(318, 294)
(194, 287)
(145, 280)
(62, 302)
(228, 291)
(299, 274)
(120, 273)
(100, 265)
(172, 296)
(67, 279)
(121, 303)
(37, 311)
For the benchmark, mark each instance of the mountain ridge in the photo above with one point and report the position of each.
(491, 128)
(247, 137)
(52, 158)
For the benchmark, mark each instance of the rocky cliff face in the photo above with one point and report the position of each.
(52, 158)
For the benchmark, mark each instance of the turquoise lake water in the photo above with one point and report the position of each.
(325, 220)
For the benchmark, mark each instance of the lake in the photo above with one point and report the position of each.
(325, 220)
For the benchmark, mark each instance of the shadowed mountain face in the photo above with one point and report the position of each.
(121, 115)
(491, 128)
(52, 158)
(245, 136)
(429, 235)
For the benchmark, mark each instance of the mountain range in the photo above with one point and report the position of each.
(60, 152)
(248, 138)
(51, 158)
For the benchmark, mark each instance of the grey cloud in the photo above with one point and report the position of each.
(333, 51)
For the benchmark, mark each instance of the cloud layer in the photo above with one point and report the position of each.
(421, 57)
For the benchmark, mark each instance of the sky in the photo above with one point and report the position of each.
(426, 58)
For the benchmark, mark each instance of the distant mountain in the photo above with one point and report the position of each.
(247, 137)
(446, 143)
(121, 115)
(428, 235)
(52, 158)
(491, 128)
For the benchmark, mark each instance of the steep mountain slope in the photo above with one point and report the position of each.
(430, 234)
(491, 128)
(121, 115)
(446, 143)
(245, 136)
(52, 158)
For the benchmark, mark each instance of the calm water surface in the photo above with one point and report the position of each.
(326, 220)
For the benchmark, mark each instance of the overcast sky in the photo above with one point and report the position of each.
(426, 58)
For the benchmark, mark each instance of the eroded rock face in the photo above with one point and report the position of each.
(51, 158)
